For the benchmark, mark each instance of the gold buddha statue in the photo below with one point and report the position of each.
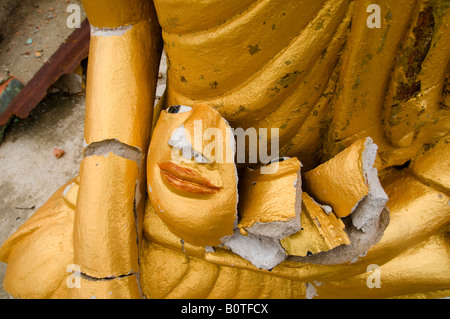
(359, 97)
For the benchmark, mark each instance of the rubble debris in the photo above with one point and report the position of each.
(275, 200)
(271, 211)
(355, 189)
(58, 152)
(320, 232)
(262, 252)
(70, 83)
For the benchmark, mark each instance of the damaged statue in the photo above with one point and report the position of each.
(165, 207)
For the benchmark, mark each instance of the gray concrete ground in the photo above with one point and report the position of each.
(29, 172)
(30, 32)
(6, 7)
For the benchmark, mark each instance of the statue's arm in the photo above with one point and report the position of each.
(123, 66)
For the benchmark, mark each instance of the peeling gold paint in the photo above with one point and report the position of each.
(269, 197)
(178, 206)
(121, 106)
(320, 231)
(104, 226)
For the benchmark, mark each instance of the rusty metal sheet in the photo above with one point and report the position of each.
(64, 60)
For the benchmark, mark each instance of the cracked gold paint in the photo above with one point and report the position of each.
(120, 107)
(373, 58)
(435, 213)
(340, 181)
(173, 270)
(320, 231)
(419, 68)
(105, 226)
(118, 288)
(269, 198)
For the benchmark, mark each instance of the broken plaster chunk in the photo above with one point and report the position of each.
(320, 232)
(340, 181)
(209, 249)
(368, 210)
(327, 209)
(349, 184)
(370, 207)
(271, 203)
(262, 252)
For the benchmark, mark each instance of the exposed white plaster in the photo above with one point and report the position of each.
(370, 207)
(262, 252)
(109, 32)
(179, 140)
(311, 291)
(66, 190)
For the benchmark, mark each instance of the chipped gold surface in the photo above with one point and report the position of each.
(320, 231)
(116, 288)
(121, 109)
(340, 181)
(105, 226)
(179, 208)
(268, 197)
